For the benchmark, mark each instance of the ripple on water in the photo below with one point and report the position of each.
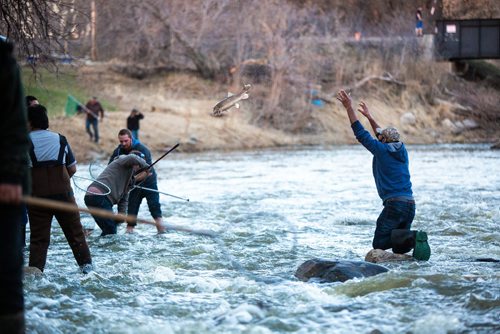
(270, 220)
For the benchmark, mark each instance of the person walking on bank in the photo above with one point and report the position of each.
(127, 145)
(53, 164)
(112, 187)
(14, 182)
(93, 109)
(133, 122)
(392, 177)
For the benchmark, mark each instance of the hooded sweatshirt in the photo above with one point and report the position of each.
(390, 165)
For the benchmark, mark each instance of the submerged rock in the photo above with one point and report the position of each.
(34, 271)
(337, 271)
(379, 255)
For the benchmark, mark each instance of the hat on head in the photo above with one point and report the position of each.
(390, 134)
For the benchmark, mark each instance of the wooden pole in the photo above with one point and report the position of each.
(68, 207)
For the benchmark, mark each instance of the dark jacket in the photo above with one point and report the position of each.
(390, 164)
(13, 128)
(95, 109)
(133, 121)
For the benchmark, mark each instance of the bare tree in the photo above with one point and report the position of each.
(38, 27)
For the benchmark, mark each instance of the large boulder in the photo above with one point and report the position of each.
(379, 255)
(336, 271)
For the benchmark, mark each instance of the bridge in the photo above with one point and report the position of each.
(467, 39)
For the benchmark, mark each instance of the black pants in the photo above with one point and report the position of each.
(396, 215)
(11, 260)
(40, 224)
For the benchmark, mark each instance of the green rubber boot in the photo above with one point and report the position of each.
(422, 251)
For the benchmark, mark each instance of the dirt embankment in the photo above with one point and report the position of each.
(176, 109)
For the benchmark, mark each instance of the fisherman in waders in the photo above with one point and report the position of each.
(112, 187)
(53, 164)
(392, 177)
(128, 144)
(14, 182)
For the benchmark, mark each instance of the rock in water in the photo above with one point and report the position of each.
(379, 255)
(336, 271)
(32, 271)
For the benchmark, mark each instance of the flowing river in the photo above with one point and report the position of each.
(271, 210)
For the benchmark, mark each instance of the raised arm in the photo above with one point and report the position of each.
(345, 99)
(363, 109)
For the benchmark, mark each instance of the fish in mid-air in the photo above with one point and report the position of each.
(231, 101)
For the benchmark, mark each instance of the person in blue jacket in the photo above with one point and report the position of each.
(148, 189)
(390, 169)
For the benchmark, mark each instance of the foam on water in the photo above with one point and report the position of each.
(270, 211)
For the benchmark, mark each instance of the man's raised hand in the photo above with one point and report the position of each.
(363, 109)
(344, 98)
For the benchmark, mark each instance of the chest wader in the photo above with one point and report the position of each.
(50, 177)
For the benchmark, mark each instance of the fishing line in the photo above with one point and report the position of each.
(160, 192)
(90, 169)
(93, 180)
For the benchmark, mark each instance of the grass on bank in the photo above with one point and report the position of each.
(52, 88)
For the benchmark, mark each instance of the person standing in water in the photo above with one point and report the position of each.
(127, 145)
(53, 165)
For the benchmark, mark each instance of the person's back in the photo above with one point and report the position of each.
(53, 164)
(390, 165)
(111, 187)
(117, 175)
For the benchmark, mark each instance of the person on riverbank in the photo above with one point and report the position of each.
(14, 182)
(53, 165)
(419, 26)
(390, 168)
(128, 144)
(112, 187)
(133, 122)
(93, 109)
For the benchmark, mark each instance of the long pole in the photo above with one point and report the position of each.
(163, 156)
(63, 206)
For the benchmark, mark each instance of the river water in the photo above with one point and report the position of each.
(271, 210)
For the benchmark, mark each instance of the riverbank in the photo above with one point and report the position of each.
(177, 109)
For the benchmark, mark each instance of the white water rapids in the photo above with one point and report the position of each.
(273, 210)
